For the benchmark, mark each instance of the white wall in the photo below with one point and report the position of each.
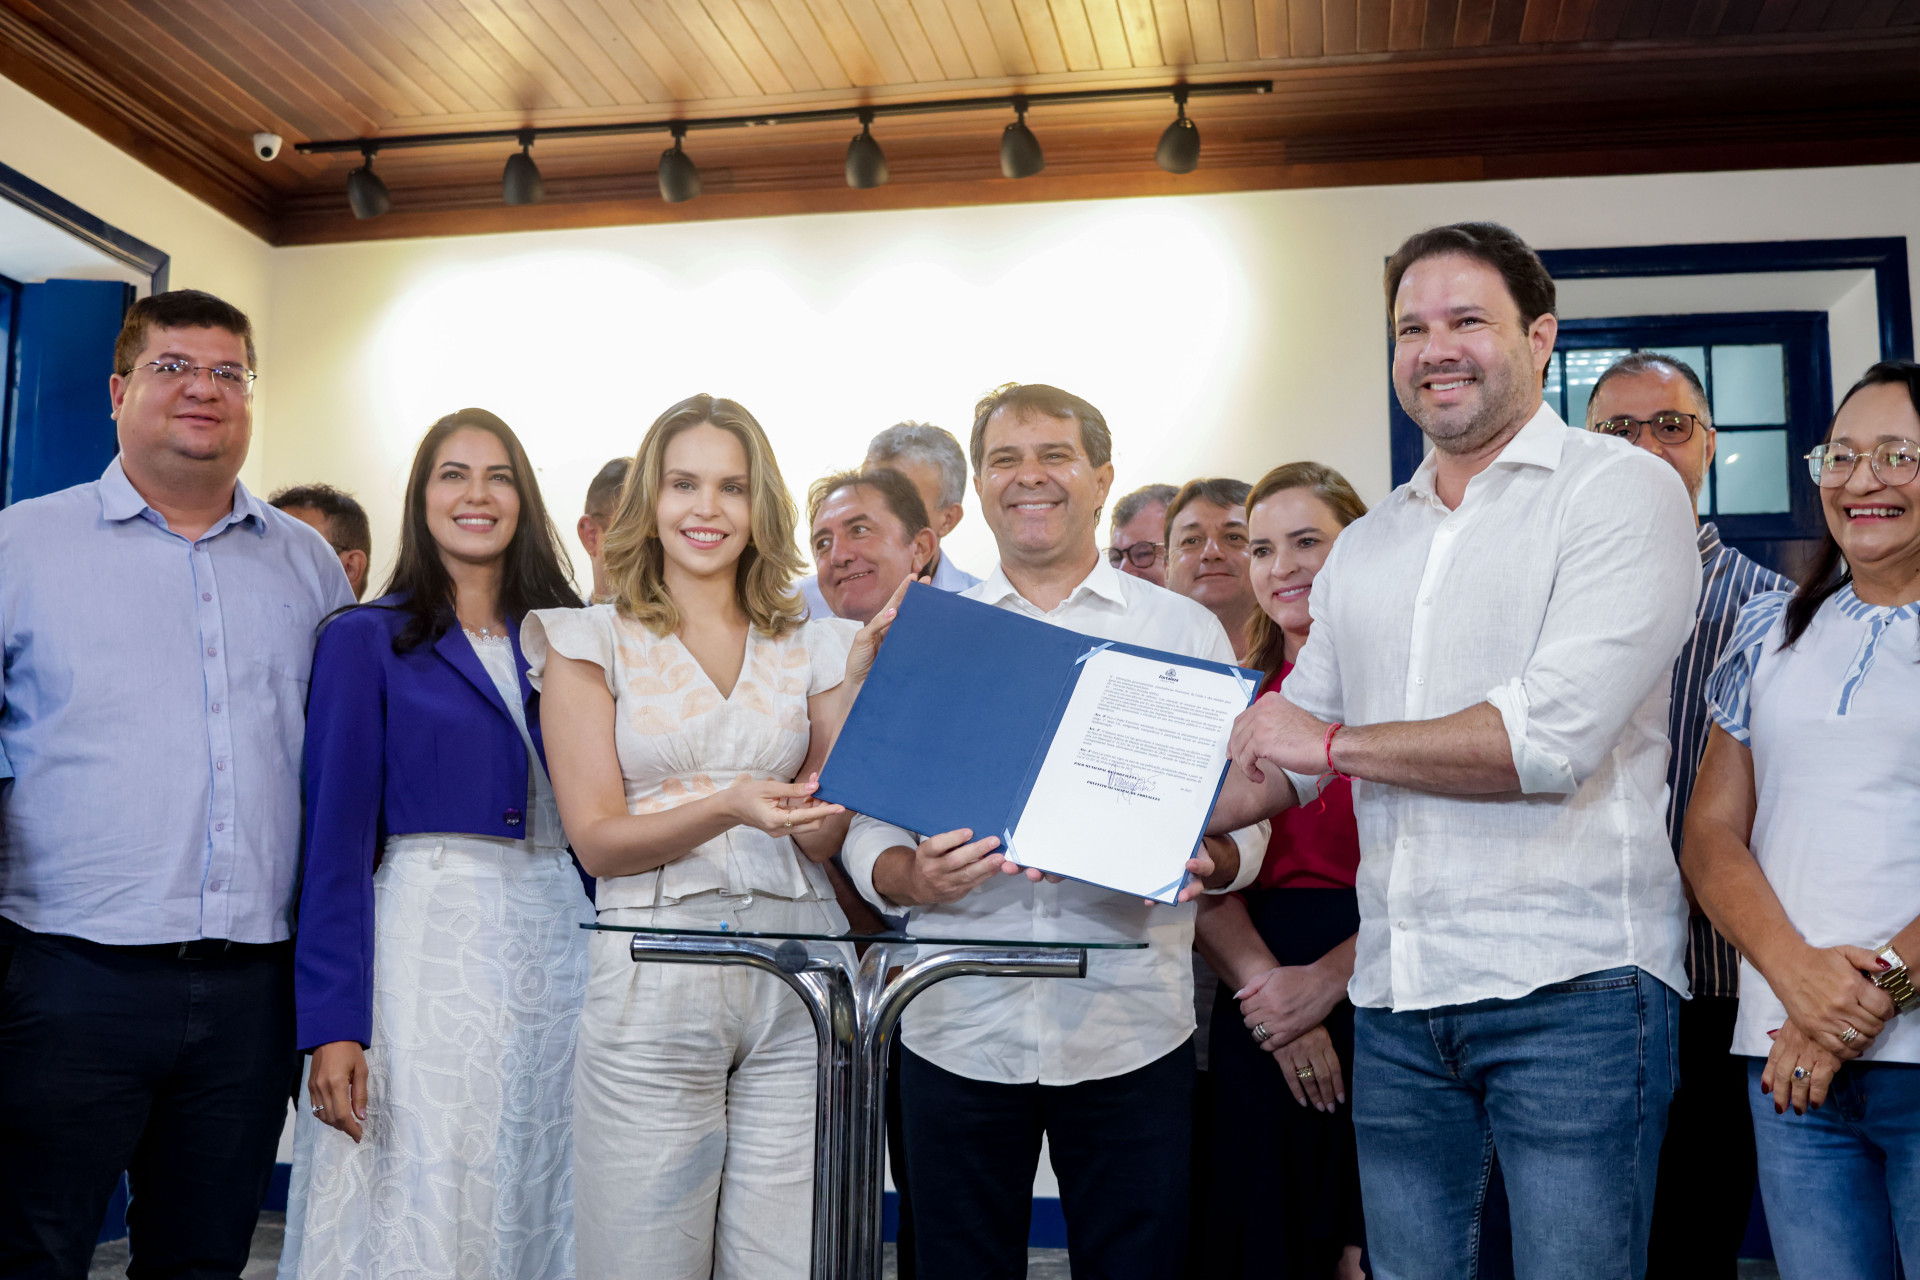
(209, 250)
(1220, 334)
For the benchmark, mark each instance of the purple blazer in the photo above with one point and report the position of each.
(396, 744)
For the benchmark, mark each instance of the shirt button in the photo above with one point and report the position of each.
(1405, 843)
(1419, 679)
(1428, 600)
(1400, 924)
(216, 886)
(219, 826)
(212, 652)
(221, 765)
(216, 708)
(206, 595)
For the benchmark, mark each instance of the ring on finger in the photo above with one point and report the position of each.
(1851, 1034)
(1305, 1073)
(1801, 1073)
(1260, 1033)
(318, 1108)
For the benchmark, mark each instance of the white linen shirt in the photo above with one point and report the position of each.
(1132, 1007)
(1560, 591)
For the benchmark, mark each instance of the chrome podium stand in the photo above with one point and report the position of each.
(856, 1008)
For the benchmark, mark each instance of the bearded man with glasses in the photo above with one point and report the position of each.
(1705, 1192)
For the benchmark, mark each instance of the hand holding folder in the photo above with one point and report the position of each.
(1090, 759)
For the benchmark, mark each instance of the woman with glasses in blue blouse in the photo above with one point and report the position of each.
(1803, 846)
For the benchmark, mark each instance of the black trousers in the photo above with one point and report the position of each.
(1707, 1165)
(1121, 1149)
(173, 1068)
(897, 1166)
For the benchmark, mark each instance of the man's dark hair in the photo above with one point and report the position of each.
(1654, 361)
(894, 489)
(1221, 491)
(347, 527)
(603, 491)
(1052, 402)
(1489, 242)
(1140, 499)
(177, 309)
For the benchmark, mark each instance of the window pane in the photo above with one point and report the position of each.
(1704, 505)
(1555, 384)
(1750, 472)
(1749, 387)
(1583, 370)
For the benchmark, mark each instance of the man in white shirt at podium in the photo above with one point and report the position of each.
(1102, 1066)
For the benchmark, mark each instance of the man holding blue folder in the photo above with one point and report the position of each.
(1102, 1066)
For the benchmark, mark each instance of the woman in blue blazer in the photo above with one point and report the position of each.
(439, 964)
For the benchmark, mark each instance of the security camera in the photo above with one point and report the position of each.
(267, 145)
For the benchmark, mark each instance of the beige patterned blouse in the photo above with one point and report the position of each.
(678, 739)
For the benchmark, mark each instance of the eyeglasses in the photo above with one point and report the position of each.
(1144, 554)
(1895, 462)
(232, 379)
(1667, 428)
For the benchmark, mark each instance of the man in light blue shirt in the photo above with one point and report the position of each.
(157, 627)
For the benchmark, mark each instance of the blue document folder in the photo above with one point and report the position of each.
(957, 715)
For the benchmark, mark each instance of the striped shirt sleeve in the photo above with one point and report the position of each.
(1730, 688)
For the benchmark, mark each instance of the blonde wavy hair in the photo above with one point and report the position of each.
(1266, 643)
(762, 577)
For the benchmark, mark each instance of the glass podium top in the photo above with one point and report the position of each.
(1048, 944)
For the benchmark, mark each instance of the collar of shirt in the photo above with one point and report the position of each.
(1708, 541)
(120, 501)
(1854, 607)
(1538, 444)
(948, 576)
(1104, 582)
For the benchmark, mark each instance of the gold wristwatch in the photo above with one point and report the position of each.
(1896, 981)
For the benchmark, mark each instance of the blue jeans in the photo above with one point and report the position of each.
(1842, 1184)
(1569, 1083)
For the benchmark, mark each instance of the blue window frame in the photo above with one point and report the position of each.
(1770, 388)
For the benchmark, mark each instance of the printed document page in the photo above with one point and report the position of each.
(1129, 779)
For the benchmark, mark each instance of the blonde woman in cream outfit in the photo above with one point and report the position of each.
(677, 720)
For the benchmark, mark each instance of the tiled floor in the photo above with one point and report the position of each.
(1042, 1264)
(110, 1260)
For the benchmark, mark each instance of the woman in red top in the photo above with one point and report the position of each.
(1284, 952)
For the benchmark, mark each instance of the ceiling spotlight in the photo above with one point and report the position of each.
(365, 192)
(520, 183)
(1020, 155)
(1179, 149)
(866, 162)
(679, 175)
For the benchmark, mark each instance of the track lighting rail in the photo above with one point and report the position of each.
(877, 110)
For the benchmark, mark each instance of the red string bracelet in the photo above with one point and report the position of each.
(1331, 768)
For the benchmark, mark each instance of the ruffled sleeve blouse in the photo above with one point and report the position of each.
(679, 740)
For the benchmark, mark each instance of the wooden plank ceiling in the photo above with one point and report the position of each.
(1364, 91)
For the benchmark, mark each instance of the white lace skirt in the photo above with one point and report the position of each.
(465, 1168)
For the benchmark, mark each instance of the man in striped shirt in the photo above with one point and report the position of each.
(1707, 1164)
